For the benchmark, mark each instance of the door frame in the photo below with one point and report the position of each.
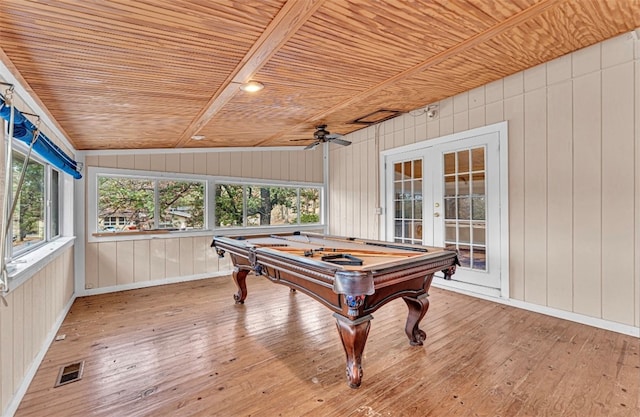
(501, 129)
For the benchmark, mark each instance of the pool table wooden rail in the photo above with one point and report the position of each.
(352, 293)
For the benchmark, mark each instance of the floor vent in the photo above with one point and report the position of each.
(69, 373)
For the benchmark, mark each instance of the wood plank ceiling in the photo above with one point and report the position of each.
(151, 73)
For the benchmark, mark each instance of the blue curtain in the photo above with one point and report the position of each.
(23, 130)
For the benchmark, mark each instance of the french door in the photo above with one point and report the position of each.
(448, 193)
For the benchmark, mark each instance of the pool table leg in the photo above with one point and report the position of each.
(240, 278)
(353, 334)
(418, 307)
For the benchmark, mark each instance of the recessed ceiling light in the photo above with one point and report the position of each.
(251, 86)
(197, 137)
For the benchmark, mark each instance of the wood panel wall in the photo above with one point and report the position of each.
(574, 176)
(141, 262)
(25, 324)
(34, 307)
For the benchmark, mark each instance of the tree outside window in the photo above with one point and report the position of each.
(29, 216)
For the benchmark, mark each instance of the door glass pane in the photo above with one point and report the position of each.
(450, 208)
(465, 205)
(478, 208)
(449, 185)
(463, 161)
(417, 169)
(464, 208)
(477, 158)
(479, 259)
(463, 185)
(464, 232)
(449, 163)
(477, 183)
(464, 256)
(408, 201)
(406, 170)
(397, 172)
(479, 233)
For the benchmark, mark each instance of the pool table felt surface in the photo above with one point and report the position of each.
(374, 254)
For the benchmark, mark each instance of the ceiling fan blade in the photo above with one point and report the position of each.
(340, 142)
(312, 146)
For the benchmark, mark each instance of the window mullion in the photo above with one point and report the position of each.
(156, 205)
(244, 205)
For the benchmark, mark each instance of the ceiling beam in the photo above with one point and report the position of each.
(472, 42)
(284, 25)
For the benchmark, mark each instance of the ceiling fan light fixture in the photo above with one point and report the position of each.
(251, 86)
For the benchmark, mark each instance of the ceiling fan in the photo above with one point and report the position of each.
(322, 135)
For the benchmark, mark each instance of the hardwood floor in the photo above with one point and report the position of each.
(187, 350)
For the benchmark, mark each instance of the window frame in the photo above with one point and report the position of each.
(93, 235)
(298, 186)
(49, 235)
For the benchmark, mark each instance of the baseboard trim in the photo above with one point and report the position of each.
(554, 312)
(145, 284)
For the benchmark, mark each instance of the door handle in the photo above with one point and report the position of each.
(436, 214)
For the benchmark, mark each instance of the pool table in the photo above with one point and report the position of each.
(350, 276)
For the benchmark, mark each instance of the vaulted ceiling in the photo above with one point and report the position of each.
(121, 74)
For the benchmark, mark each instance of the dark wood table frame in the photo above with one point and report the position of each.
(351, 294)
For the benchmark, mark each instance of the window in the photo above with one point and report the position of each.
(249, 205)
(36, 215)
(128, 203)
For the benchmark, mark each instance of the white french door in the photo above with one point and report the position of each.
(450, 193)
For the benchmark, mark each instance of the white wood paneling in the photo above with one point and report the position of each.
(141, 260)
(186, 259)
(129, 262)
(126, 161)
(172, 162)
(172, 257)
(107, 264)
(124, 266)
(535, 195)
(186, 163)
(514, 113)
(560, 196)
(142, 162)
(617, 192)
(587, 195)
(574, 177)
(25, 322)
(213, 162)
(157, 251)
(91, 266)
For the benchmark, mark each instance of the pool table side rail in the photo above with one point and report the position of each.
(247, 247)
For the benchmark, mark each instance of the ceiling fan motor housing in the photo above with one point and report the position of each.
(320, 132)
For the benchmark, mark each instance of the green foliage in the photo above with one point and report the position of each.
(185, 197)
(262, 201)
(29, 214)
(265, 205)
(309, 218)
(228, 205)
(126, 197)
(181, 203)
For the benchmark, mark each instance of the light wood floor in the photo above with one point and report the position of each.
(188, 350)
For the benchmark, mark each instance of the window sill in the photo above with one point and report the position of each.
(172, 234)
(26, 266)
(145, 234)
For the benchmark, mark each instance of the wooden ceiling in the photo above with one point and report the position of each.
(151, 73)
